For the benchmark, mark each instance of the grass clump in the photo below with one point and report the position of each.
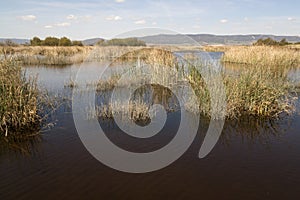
(262, 90)
(259, 92)
(19, 101)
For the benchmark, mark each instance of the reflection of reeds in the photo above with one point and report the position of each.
(254, 130)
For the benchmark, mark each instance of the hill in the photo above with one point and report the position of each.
(204, 39)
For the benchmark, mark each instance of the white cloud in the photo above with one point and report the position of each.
(28, 17)
(113, 18)
(48, 26)
(223, 21)
(154, 23)
(142, 21)
(71, 17)
(246, 19)
(63, 24)
(119, 1)
(291, 19)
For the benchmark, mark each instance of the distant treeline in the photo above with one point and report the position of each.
(122, 42)
(272, 42)
(53, 41)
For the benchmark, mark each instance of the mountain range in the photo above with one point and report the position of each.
(189, 39)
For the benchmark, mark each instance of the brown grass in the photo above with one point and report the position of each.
(18, 100)
(263, 56)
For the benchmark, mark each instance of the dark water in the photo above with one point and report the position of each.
(252, 160)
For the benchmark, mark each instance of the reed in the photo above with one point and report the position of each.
(22, 106)
(136, 111)
(18, 100)
(262, 91)
(37, 55)
(263, 56)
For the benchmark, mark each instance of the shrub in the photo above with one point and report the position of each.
(122, 42)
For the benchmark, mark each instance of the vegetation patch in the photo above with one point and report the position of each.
(21, 103)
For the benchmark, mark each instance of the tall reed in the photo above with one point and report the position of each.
(263, 56)
(19, 100)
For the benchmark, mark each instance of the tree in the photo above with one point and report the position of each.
(51, 41)
(35, 41)
(122, 42)
(283, 42)
(64, 41)
(77, 43)
(271, 42)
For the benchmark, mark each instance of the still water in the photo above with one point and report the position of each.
(252, 160)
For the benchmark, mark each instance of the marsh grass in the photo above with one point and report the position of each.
(150, 56)
(258, 91)
(22, 105)
(50, 55)
(263, 56)
(137, 111)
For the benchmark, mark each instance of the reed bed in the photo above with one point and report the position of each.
(19, 104)
(261, 90)
(44, 55)
(263, 56)
(37, 55)
(148, 55)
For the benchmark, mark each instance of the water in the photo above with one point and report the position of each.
(252, 160)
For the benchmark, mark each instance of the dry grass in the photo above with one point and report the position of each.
(150, 56)
(218, 48)
(264, 56)
(37, 55)
(259, 91)
(18, 100)
(24, 109)
(137, 111)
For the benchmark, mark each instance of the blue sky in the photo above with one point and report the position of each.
(80, 19)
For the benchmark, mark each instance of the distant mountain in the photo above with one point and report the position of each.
(211, 39)
(15, 40)
(202, 39)
(91, 41)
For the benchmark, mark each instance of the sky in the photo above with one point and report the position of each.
(79, 19)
